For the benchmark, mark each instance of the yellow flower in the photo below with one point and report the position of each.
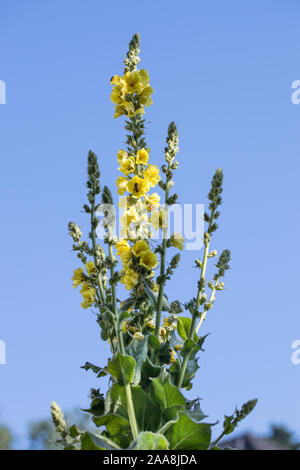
(155, 287)
(151, 174)
(88, 293)
(145, 96)
(173, 354)
(122, 155)
(149, 260)
(152, 201)
(139, 248)
(177, 240)
(117, 80)
(122, 184)
(159, 219)
(78, 277)
(130, 278)
(129, 216)
(125, 258)
(144, 77)
(150, 324)
(117, 95)
(119, 110)
(127, 166)
(138, 186)
(125, 326)
(138, 336)
(90, 267)
(122, 246)
(142, 157)
(132, 82)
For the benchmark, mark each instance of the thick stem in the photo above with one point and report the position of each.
(129, 401)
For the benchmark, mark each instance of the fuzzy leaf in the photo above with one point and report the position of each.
(90, 441)
(150, 441)
(186, 434)
(138, 350)
(165, 394)
(122, 368)
(183, 328)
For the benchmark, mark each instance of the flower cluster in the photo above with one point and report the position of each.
(131, 92)
(87, 291)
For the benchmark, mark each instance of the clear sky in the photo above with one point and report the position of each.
(223, 72)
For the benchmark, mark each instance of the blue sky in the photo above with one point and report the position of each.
(223, 72)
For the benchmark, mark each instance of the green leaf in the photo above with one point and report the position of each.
(118, 428)
(138, 350)
(74, 431)
(150, 441)
(147, 413)
(153, 296)
(186, 434)
(96, 369)
(172, 412)
(165, 394)
(122, 368)
(149, 371)
(97, 407)
(115, 424)
(183, 328)
(195, 412)
(90, 441)
(154, 343)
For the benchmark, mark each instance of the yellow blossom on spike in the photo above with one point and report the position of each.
(177, 240)
(139, 248)
(122, 155)
(117, 95)
(121, 246)
(88, 293)
(90, 267)
(144, 77)
(149, 260)
(130, 278)
(122, 184)
(125, 258)
(152, 201)
(117, 80)
(159, 219)
(78, 277)
(132, 82)
(127, 166)
(138, 336)
(142, 157)
(151, 174)
(145, 96)
(138, 186)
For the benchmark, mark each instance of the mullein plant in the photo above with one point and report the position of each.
(154, 345)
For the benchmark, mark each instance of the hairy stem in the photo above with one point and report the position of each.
(162, 275)
(201, 288)
(99, 278)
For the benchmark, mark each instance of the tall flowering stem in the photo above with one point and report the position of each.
(215, 199)
(170, 153)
